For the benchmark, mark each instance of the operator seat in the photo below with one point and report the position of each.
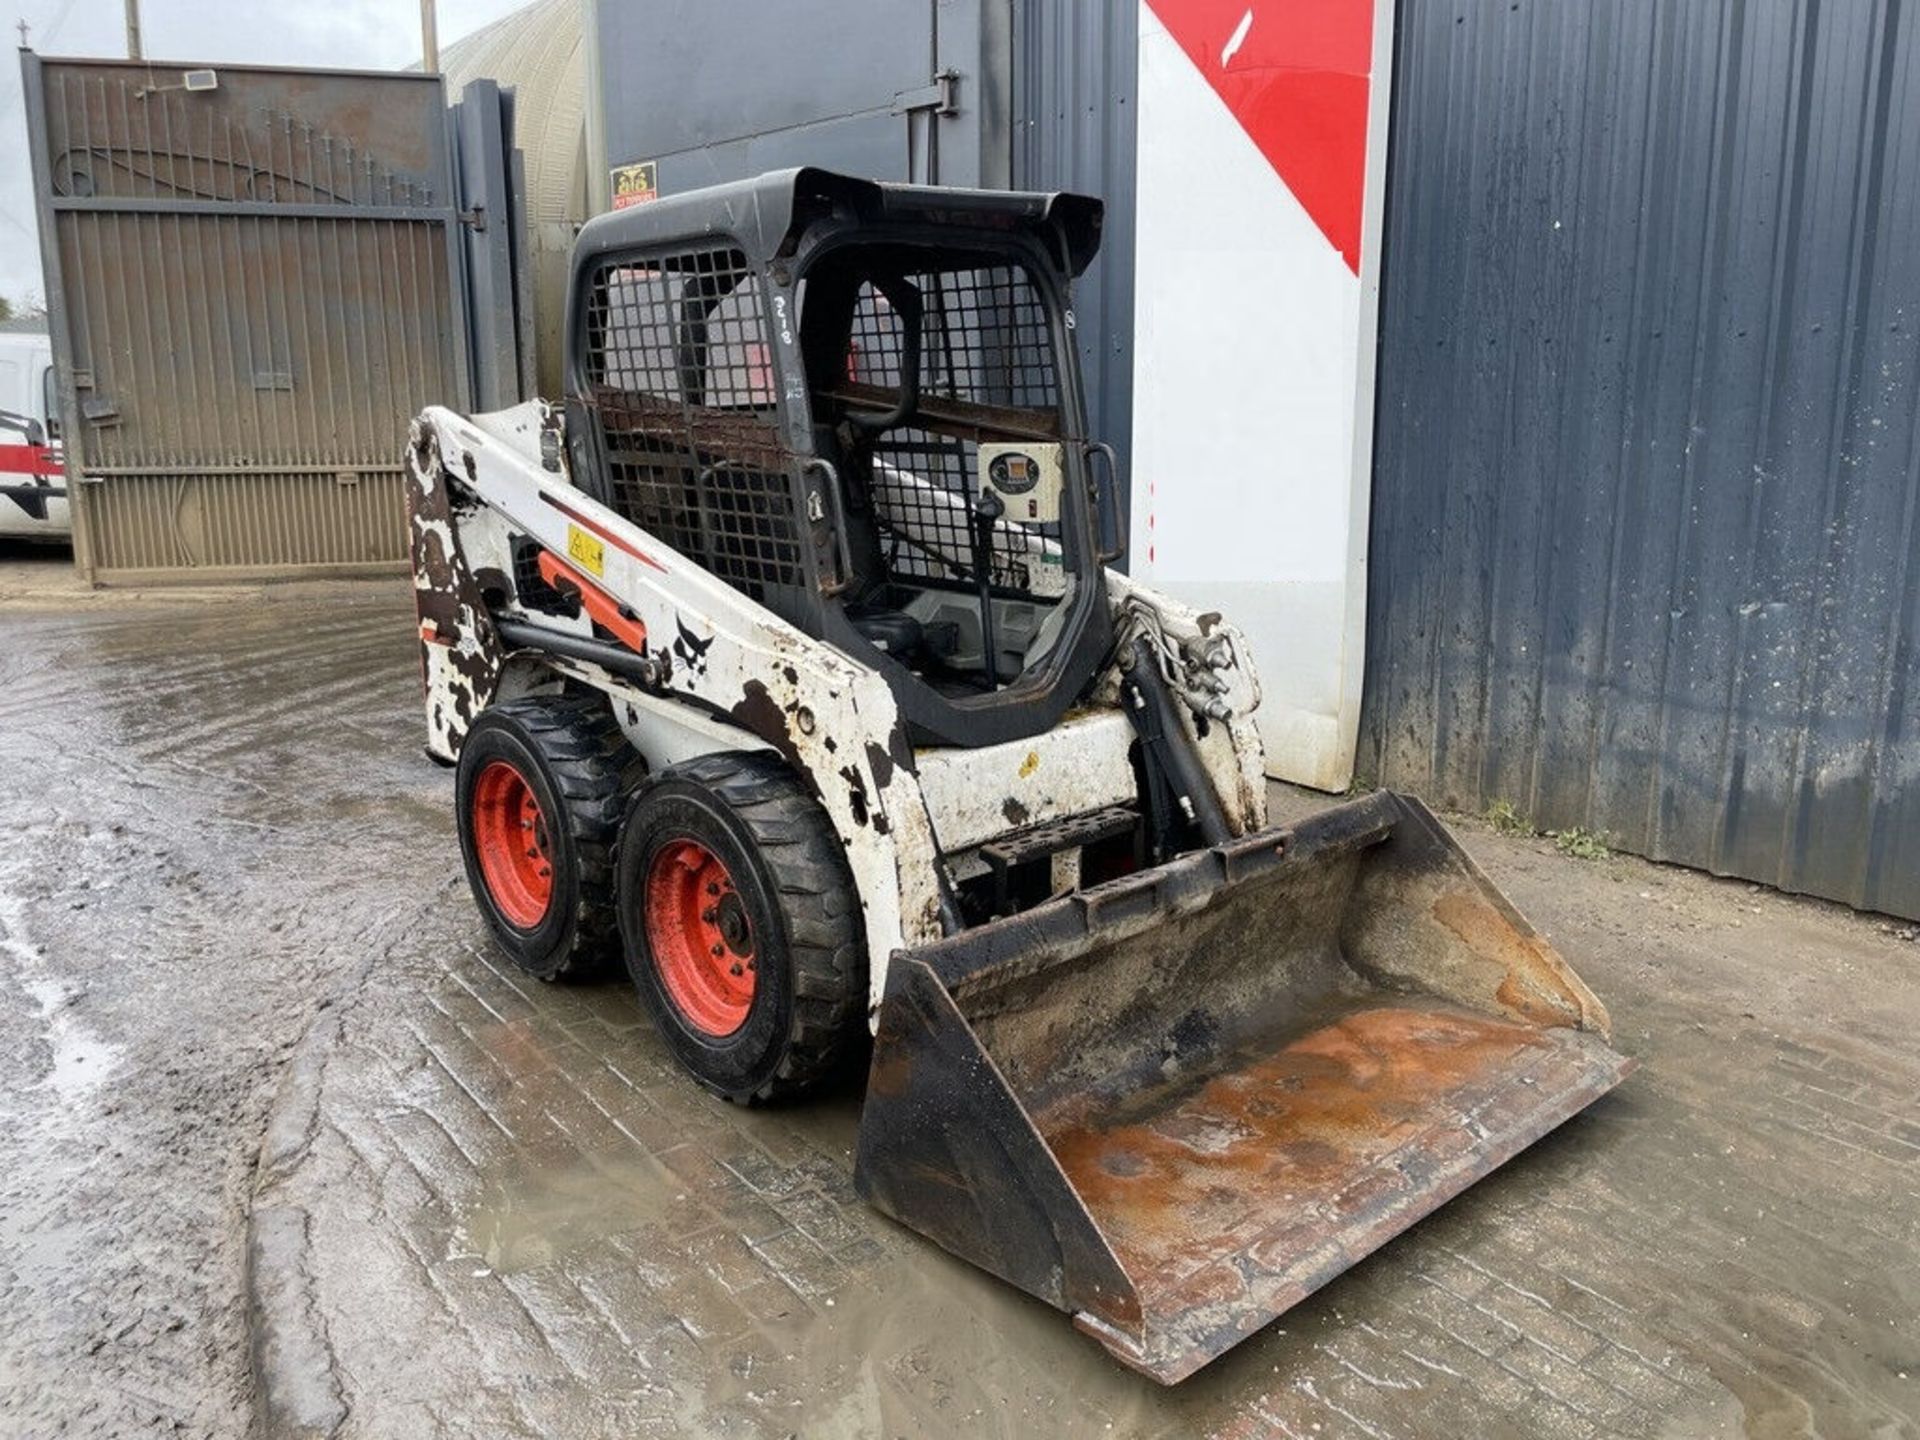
(886, 627)
(890, 631)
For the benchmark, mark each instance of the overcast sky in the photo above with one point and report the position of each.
(367, 34)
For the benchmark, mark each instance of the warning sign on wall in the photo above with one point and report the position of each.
(634, 184)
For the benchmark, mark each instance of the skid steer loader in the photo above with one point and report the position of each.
(783, 661)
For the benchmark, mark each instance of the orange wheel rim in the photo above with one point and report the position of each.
(510, 837)
(700, 937)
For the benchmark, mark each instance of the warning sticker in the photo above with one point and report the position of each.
(586, 550)
(634, 184)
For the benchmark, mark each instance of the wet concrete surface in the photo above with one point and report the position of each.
(186, 794)
(491, 1207)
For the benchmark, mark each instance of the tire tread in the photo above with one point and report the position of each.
(595, 769)
(816, 896)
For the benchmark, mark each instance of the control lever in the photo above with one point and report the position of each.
(988, 508)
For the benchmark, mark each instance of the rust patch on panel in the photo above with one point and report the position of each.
(1172, 1177)
(1531, 987)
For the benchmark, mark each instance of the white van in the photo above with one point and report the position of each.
(33, 489)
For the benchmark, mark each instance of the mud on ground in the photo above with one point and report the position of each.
(189, 795)
(510, 1216)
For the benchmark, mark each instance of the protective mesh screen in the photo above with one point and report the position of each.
(680, 376)
(984, 341)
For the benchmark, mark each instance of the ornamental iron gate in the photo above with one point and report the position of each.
(255, 277)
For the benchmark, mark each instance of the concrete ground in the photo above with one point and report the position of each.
(247, 1006)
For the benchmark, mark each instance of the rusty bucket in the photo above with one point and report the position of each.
(1176, 1104)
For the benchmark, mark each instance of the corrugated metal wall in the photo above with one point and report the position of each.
(1074, 68)
(1647, 474)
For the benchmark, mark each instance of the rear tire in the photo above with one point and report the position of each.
(538, 793)
(742, 927)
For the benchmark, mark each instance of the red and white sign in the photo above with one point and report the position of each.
(1262, 147)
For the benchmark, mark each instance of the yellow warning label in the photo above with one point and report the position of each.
(634, 184)
(586, 551)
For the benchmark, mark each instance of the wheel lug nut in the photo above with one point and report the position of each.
(709, 915)
(717, 952)
(712, 889)
(735, 970)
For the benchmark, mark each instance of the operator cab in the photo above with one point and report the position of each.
(860, 405)
(935, 394)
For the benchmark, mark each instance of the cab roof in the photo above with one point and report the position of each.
(766, 216)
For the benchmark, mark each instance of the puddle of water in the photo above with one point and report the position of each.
(928, 1340)
(538, 1214)
(42, 1242)
(918, 1337)
(81, 1059)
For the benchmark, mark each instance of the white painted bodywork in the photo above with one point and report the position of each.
(1253, 395)
(902, 814)
(1079, 765)
(26, 361)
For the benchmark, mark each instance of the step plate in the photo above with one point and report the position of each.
(1040, 841)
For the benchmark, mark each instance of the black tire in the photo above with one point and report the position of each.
(806, 1019)
(580, 768)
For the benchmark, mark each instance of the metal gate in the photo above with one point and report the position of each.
(249, 284)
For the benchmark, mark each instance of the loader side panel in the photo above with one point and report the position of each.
(712, 649)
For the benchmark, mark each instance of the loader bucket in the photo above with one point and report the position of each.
(1176, 1104)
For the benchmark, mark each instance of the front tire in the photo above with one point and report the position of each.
(538, 793)
(742, 928)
